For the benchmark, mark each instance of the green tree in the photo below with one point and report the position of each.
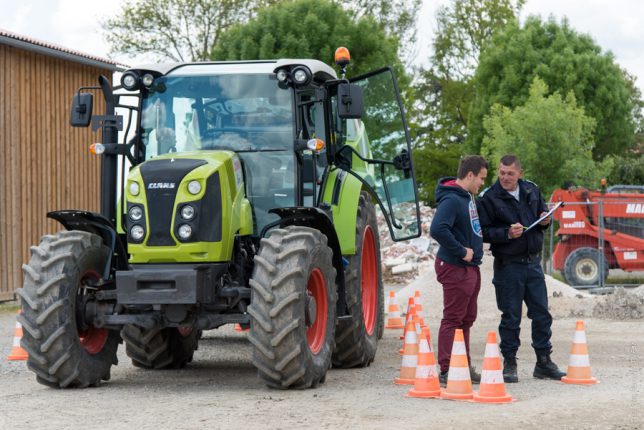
(396, 17)
(309, 29)
(551, 135)
(175, 30)
(628, 169)
(444, 92)
(567, 62)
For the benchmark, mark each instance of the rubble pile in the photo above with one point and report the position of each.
(402, 261)
(622, 304)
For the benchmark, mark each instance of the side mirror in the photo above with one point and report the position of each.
(81, 113)
(350, 101)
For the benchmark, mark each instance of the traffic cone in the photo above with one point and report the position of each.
(492, 388)
(394, 320)
(426, 383)
(419, 331)
(17, 352)
(409, 358)
(459, 383)
(238, 327)
(418, 307)
(411, 310)
(579, 364)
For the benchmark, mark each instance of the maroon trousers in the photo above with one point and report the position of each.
(461, 287)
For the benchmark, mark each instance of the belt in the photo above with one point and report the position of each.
(521, 259)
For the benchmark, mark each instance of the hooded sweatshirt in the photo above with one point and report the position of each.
(456, 224)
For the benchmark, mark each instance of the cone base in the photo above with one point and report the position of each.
(403, 381)
(493, 399)
(423, 394)
(18, 354)
(568, 380)
(395, 326)
(456, 396)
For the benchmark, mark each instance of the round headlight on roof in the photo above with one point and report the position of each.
(147, 79)
(130, 81)
(282, 75)
(301, 75)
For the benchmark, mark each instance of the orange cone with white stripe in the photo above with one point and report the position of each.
(394, 320)
(411, 311)
(492, 388)
(418, 324)
(418, 307)
(409, 358)
(459, 383)
(426, 383)
(17, 352)
(579, 365)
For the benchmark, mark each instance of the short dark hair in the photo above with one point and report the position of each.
(471, 163)
(510, 159)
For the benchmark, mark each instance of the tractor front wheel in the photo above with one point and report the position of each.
(62, 274)
(293, 299)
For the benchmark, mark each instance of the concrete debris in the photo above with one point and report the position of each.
(622, 304)
(404, 261)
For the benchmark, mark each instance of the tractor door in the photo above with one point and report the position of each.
(376, 148)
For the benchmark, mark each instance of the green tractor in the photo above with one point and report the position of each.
(237, 193)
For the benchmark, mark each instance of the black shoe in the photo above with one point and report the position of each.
(442, 377)
(546, 369)
(474, 375)
(510, 370)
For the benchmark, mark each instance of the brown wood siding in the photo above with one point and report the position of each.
(45, 164)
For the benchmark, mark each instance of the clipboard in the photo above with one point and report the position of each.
(546, 215)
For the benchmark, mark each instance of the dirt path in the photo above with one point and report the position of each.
(220, 388)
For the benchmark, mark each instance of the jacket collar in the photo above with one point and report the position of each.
(523, 190)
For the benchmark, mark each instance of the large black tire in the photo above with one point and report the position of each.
(159, 348)
(357, 337)
(582, 267)
(293, 300)
(63, 353)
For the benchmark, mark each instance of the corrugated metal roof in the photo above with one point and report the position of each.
(46, 48)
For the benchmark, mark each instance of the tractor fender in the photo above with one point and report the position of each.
(319, 220)
(342, 193)
(99, 225)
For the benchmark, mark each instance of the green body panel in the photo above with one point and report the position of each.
(236, 214)
(344, 213)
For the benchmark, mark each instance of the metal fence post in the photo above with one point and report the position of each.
(600, 239)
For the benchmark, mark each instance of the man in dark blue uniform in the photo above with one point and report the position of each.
(505, 210)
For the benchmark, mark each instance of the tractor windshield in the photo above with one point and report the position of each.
(238, 112)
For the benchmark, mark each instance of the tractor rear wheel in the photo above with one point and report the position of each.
(357, 336)
(64, 351)
(293, 299)
(582, 267)
(160, 348)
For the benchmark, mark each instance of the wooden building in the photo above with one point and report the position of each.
(45, 164)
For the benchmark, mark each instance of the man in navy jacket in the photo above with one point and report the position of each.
(505, 208)
(456, 228)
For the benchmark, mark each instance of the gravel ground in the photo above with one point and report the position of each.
(220, 389)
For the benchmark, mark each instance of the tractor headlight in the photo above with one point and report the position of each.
(130, 81)
(185, 231)
(134, 188)
(194, 187)
(137, 233)
(147, 80)
(136, 213)
(187, 212)
(301, 75)
(282, 75)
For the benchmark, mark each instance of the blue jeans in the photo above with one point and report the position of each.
(516, 283)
